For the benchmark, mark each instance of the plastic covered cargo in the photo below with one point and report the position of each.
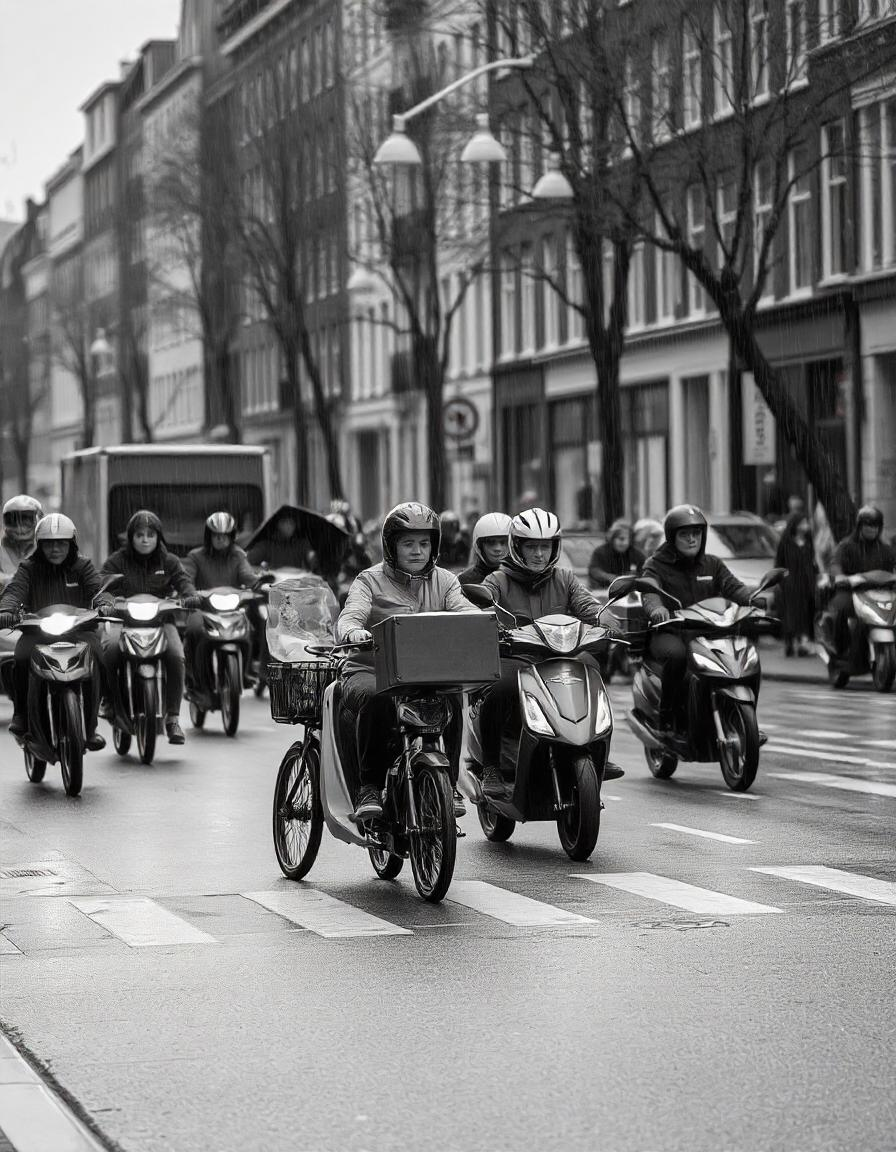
(436, 648)
(302, 610)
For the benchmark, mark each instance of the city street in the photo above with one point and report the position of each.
(719, 976)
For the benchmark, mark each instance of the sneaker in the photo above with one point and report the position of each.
(173, 730)
(368, 806)
(493, 783)
(95, 743)
(460, 809)
(18, 726)
(612, 771)
(106, 710)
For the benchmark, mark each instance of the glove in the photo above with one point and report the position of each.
(192, 602)
(358, 636)
(660, 615)
(8, 620)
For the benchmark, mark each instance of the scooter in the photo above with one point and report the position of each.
(58, 672)
(872, 633)
(139, 692)
(553, 766)
(315, 781)
(218, 680)
(719, 719)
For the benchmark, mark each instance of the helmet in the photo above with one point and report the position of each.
(868, 514)
(411, 517)
(684, 516)
(221, 522)
(535, 524)
(491, 524)
(20, 514)
(449, 517)
(55, 527)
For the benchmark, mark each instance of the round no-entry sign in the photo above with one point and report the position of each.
(460, 418)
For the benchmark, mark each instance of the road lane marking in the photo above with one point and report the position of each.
(825, 780)
(881, 743)
(701, 832)
(324, 915)
(734, 795)
(139, 921)
(675, 892)
(807, 752)
(835, 879)
(7, 948)
(510, 907)
(822, 734)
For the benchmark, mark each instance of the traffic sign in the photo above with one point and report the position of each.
(460, 418)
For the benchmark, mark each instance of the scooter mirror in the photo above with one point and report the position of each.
(479, 595)
(110, 582)
(772, 578)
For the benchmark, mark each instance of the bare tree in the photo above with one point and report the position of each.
(72, 337)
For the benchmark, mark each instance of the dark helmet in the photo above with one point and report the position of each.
(684, 516)
(411, 517)
(868, 514)
(145, 519)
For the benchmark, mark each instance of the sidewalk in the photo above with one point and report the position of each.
(777, 666)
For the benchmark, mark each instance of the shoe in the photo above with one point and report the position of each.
(18, 726)
(460, 809)
(612, 771)
(106, 710)
(493, 783)
(173, 730)
(368, 806)
(95, 743)
(763, 737)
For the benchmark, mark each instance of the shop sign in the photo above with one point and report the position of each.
(759, 435)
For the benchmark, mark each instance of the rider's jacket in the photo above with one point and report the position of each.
(11, 557)
(853, 555)
(158, 574)
(526, 593)
(229, 569)
(606, 563)
(38, 583)
(475, 574)
(690, 580)
(383, 591)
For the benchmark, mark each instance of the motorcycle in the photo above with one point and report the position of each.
(719, 720)
(58, 672)
(218, 680)
(872, 633)
(315, 780)
(554, 765)
(138, 693)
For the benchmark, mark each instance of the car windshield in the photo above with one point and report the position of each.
(743, 541)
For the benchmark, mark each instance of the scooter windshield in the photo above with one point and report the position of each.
(301, 611)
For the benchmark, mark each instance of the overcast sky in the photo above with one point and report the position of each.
(53, 54)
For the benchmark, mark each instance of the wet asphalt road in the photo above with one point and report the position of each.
(756, 1013)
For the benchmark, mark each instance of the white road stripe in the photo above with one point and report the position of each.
(881, 743)
(701, 832)
(676, 893)
(510, 907)
(324, 915)
(735, 795)
(835, 879)
(870, 787)
(822, 734)
(7, 948)
(139, 921)
(807, 752)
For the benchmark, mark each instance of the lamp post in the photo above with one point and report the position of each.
(102, 359)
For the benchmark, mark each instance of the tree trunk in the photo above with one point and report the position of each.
(606, 361)
(324, 420)
(432, 379)
(23, 459)
(88, 430)
(228, 394)
(294, 398)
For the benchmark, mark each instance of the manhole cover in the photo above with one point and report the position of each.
(22, 873)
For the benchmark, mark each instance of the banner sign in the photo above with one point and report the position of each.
(759, 434)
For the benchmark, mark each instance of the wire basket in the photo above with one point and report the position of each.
(297, 691)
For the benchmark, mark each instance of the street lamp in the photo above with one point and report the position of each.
(552, 184)
(483, 148)
(102, 353)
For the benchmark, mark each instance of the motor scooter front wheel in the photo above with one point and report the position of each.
(579, 825)
(35, 769)
(434, 844)
(121, 740)
(298, 815)
(662, 764)
(229, 690)
(496, 827)
(386, 864)
(145, 721)
(739, 754)
(71, 750)
(884, 672)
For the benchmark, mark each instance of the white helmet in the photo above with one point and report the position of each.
(491, 524)
(535, 524)
(20, 515)
(55, 527)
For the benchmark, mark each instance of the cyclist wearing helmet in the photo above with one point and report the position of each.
(488, 547)
(528, 584)
(147, 566)
(454, 551)
(20, 517)
(407, 581)
(863, 550)
(682, 567)
(55, 573)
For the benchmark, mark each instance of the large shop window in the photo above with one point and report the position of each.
(645, 431)
(523, 467)
(572, 427)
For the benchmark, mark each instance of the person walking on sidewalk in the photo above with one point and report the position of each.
(796, 553)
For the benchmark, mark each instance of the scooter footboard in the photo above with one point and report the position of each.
(335, 798)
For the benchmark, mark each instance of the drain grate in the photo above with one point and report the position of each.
(23, 873)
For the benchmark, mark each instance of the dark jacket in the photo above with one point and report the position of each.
(160, 574)
(37, 583)
(797, 593)
(606, 563)
(853, 555)
(475, 574)
(690, 580)
(454, 553)
(293, 552)
(209, 569)
(525, 594)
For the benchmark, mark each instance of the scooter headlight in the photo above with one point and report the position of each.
(535, 717)
(58, 624)
(561, 637)
(224, 601)
(142, 610)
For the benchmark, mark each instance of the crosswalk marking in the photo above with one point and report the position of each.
(822, 734)
(734, 795)
(139, 921)
(883, 891)
(324, 915)
(701, 832)
(881, 743)
(7, 948)
(808, 751)
(675, 892)
(826, 780)
(510, 907)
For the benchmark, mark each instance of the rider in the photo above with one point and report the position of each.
(284, 548)
(148, 567)
(407, 581)
(682, 567)
(863, 550)
(20, 517)
(454, 551)
(488, 547)
(218, 562)
(529, 584)
(616, 557)
(55, 573)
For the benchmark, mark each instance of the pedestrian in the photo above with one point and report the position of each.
(796, 553)
(617, 556)
(454, 552)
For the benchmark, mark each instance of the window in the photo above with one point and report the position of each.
(877, 129)
(759, 48)
(636, 288)
(293, 78)
(528, 128)
(665, 274)
(575, 290)
(306, 69)
(727, 212)
(508, 307)
(797, 59)
(632, 102)
(763, 196)
(875, 10)
(834, 222)
(318, 60)
(692, 67)
(696, 221)
(828, 20)
(799, 217)
(661, 92)
(586, 125)
(549, 297)
(723, 63)
(527, 293)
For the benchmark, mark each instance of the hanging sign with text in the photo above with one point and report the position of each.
(759, 437)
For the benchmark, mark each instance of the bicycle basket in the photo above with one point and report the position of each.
(297, 691)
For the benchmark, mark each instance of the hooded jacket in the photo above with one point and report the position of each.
(537, 594)
(158, 574)
(207, 568)
(853, 555)
(37, 583)
(690, 580)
